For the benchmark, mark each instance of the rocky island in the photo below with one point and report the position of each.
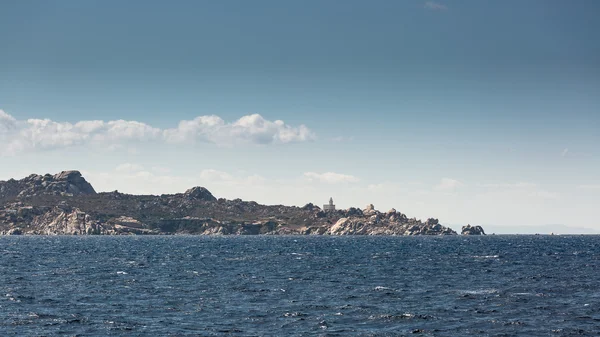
(472, 230)
(66, 204)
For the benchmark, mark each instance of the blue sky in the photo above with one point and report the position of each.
(482, 112)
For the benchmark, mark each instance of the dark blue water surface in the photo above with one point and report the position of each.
(296, 286)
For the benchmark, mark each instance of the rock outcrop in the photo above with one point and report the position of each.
(66, 183)
(472, 230)
(66, 204)
(199, 193)
(65, 220)
(391, 223)
(369, 210)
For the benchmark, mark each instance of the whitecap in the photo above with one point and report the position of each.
(121, 273)
(479, 292)
(486, 256)
(378, 288)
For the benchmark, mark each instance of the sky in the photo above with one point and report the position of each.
(471, 111)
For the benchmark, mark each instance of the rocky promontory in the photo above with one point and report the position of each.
(66, 204)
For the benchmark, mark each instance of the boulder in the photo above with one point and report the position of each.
(74, 182)
(310, 207)
(199, 193)
(373, 219)
(472, 230)
(353, 211)
(369, 210)
(432, 221)
(14, 231)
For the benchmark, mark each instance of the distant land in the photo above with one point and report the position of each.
(66, 204)
(544, 229)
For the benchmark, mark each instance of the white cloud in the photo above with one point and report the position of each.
(330, 177)
(434, 6)
(448, 185)
(589, 187)
(124, 130)
(7, 122)
(42, 134)
(200, 128)
(248, 129)
(129, 168)
(376, 187)
(215, 175)
(508, 185)
(564, 152)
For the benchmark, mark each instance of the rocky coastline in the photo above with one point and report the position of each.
(66, 204)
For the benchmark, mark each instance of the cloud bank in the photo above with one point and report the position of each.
(42, 134)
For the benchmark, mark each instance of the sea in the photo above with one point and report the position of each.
(496, 285)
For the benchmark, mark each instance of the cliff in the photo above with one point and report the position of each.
(66, 204)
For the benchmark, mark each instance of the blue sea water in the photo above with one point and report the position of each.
(300, 286)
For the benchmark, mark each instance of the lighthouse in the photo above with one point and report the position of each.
(330, 206)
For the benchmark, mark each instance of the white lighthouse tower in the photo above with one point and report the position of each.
(330, 206)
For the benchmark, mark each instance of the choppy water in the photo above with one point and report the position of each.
(284, 286)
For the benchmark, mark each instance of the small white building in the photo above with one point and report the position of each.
(330, 206)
